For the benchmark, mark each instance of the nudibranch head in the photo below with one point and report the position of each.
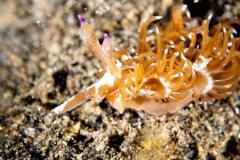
(163, 77)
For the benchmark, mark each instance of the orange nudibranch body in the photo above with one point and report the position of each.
(184, 65)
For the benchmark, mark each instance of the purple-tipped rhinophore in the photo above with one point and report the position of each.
(106, 36)
(81, 19)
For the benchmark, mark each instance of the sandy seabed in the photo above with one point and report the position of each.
(43, 62)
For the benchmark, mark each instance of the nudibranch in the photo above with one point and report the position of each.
(166, 73)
